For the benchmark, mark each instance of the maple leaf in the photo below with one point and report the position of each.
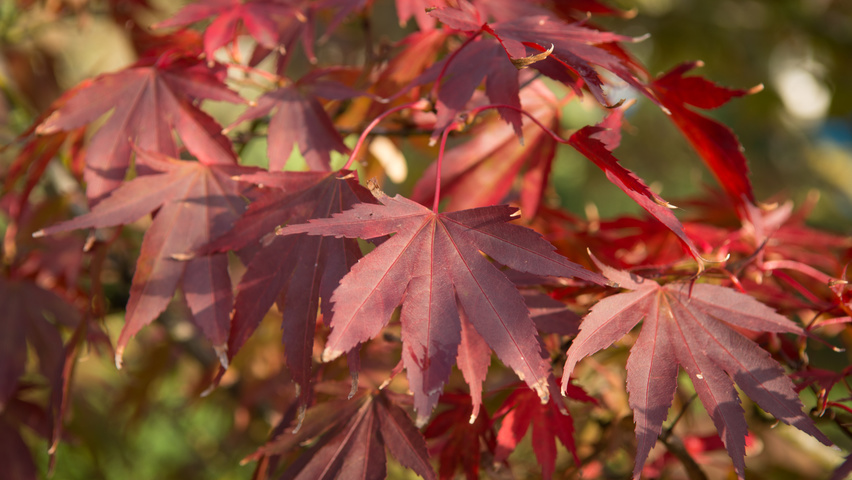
(299, 118)
(458, 442)
(575, 49)
(461, 73)
(482, 170)
(433, 266)
(296, 272)
(550, 421)
(596, 144)
(195, 202)
(715, 143)
(694, 327)
(353, 436)
(263, 19)
(148, 101)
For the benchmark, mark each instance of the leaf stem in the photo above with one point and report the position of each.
(550, 132)
(275, 79)
(421, 104)
(438, 166)
(434, 93)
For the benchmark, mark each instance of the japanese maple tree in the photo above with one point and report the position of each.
(389, 208)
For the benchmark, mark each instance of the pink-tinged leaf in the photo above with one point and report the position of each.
(262, 19)
(473, 360)
(596, 151)
(406, 9)
(433, 261)
(299, 273)
(715, 143)
(297, 119)
(465, 18)
(695, 331)
(147, 103)
(195, 203)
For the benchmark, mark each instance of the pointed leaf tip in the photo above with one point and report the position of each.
(300, 418)
(329, 355)
(119, 354)
(207, 391)
(541, 390)
(423, 419)
(353, 389)
(222, 353)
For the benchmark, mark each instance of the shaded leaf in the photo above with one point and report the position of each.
(299, 273)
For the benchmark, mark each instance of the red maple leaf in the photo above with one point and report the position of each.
(576, 48)
(550, 421)
(262, 19)
(695, 327)
(433, 266)
(715, 143)
(596, 143)
(296, 272)
(147, 101)
(462, 72)
(195, 203)
(459, 438)
(299, 118)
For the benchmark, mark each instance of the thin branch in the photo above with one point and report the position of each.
(419, 104)
(451, 126)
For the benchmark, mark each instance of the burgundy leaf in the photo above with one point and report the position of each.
(194, 203)
(299, 272)
(433, 262)
(148, 101)
(298, 119)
